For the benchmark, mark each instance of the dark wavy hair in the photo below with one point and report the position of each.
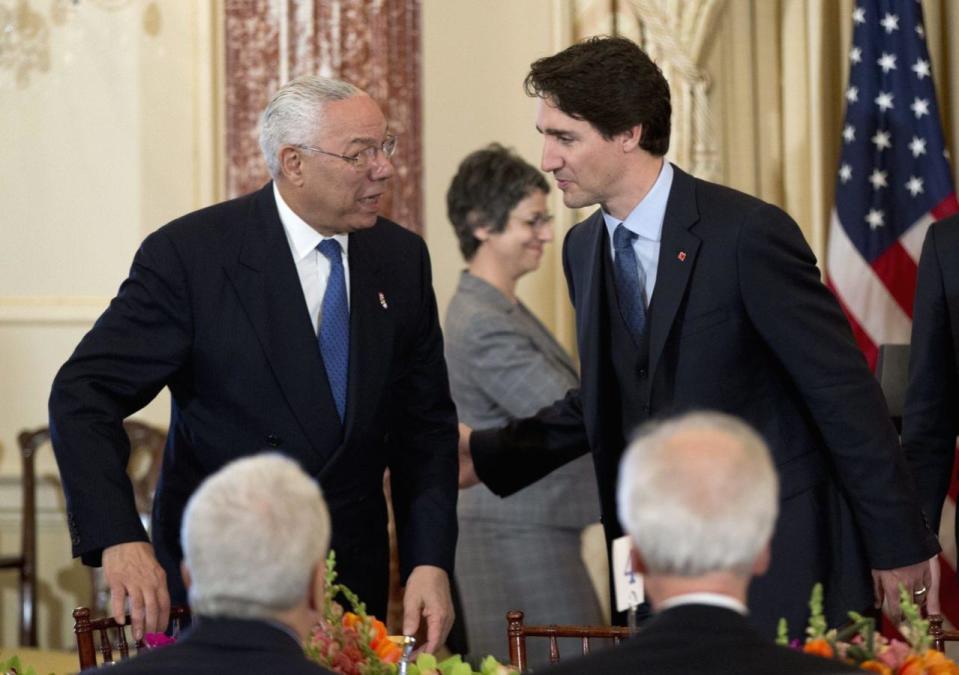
(488, 184)
(609, 82)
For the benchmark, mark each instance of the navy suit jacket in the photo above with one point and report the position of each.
(699, 639)
(741, 323)
(224, 646)
(930, 419)
(214, 310)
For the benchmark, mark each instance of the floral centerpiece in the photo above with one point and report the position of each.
(860, 644)
(355, 643)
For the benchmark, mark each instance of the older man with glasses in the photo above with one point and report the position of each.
(294, 318)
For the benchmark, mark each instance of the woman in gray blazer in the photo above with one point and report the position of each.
(521, 552)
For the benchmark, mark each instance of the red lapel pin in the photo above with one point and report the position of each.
(682, 256)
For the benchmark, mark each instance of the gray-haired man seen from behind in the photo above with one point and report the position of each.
(699, 497)
(255, 537)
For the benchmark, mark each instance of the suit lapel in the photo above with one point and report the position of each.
(269, 289)
(589, 312)
(677, 257)
(371, 329)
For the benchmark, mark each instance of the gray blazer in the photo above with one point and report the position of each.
(504, 364)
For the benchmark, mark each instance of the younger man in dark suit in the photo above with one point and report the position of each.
(698, 496)
(930, 418)
(255, 537)
(690, 295)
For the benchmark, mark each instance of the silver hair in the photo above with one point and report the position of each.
(252, 534)
(295, 112)
(689, 517)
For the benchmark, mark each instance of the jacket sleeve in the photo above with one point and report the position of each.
(423, 442)
(930, 419)
(802, 324)
(121, 364)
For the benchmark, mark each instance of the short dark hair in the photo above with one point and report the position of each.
(609, 82)
(488, 184)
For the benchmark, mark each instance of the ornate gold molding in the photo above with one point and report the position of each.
(25, 32)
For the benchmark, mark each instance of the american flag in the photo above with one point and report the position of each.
(894, 181)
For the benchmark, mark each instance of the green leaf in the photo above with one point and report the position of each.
(782, 632)
(426, 661)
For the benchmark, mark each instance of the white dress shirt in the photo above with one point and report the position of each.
(704, 598)
(646, 220)
(312, 267)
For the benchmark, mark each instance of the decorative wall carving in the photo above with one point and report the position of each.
(25, 32)
(375, 44)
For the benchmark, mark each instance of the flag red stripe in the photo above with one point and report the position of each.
(948, 591)
(946, 207)
(897, 270)
(866, 345)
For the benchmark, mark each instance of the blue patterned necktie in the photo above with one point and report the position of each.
(334, 334)
(630, 281)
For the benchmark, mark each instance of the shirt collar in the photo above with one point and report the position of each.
(704, 598)
(646, 218)
(302, 238)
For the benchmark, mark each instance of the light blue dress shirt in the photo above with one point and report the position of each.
(646, 220)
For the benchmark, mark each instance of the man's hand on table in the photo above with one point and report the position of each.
(921, 579)
(132, 571)
(428, 606)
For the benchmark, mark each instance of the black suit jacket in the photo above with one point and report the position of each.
(741, 323)
(930, 420)
(214, 310)
(224, 646)
(699, 639)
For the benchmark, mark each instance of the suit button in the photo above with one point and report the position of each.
(647, 410)
(642, 372)
(273, 441)
(75, 540)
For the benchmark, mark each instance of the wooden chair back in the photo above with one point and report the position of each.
(26, 561)
(146, 457)
(517, 632)
(940, 635)
(108, 639)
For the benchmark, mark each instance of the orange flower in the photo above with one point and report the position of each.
(876, 667)
(388, 651)
(350, 619)
(936, 663)
(819, 647)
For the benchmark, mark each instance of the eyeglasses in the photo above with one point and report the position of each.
(539, 221)
(362, 160)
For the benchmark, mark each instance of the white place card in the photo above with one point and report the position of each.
(627, 582)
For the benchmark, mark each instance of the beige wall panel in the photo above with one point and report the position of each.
(475, 56)
(114, 137)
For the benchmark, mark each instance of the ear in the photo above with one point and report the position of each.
(761, 564)
(291, 164)
(185, 573)
(317, 586)
(482, 233)
(631, 138)
(636, 557)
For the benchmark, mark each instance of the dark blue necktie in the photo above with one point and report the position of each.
(630, 281)
(335, 326)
